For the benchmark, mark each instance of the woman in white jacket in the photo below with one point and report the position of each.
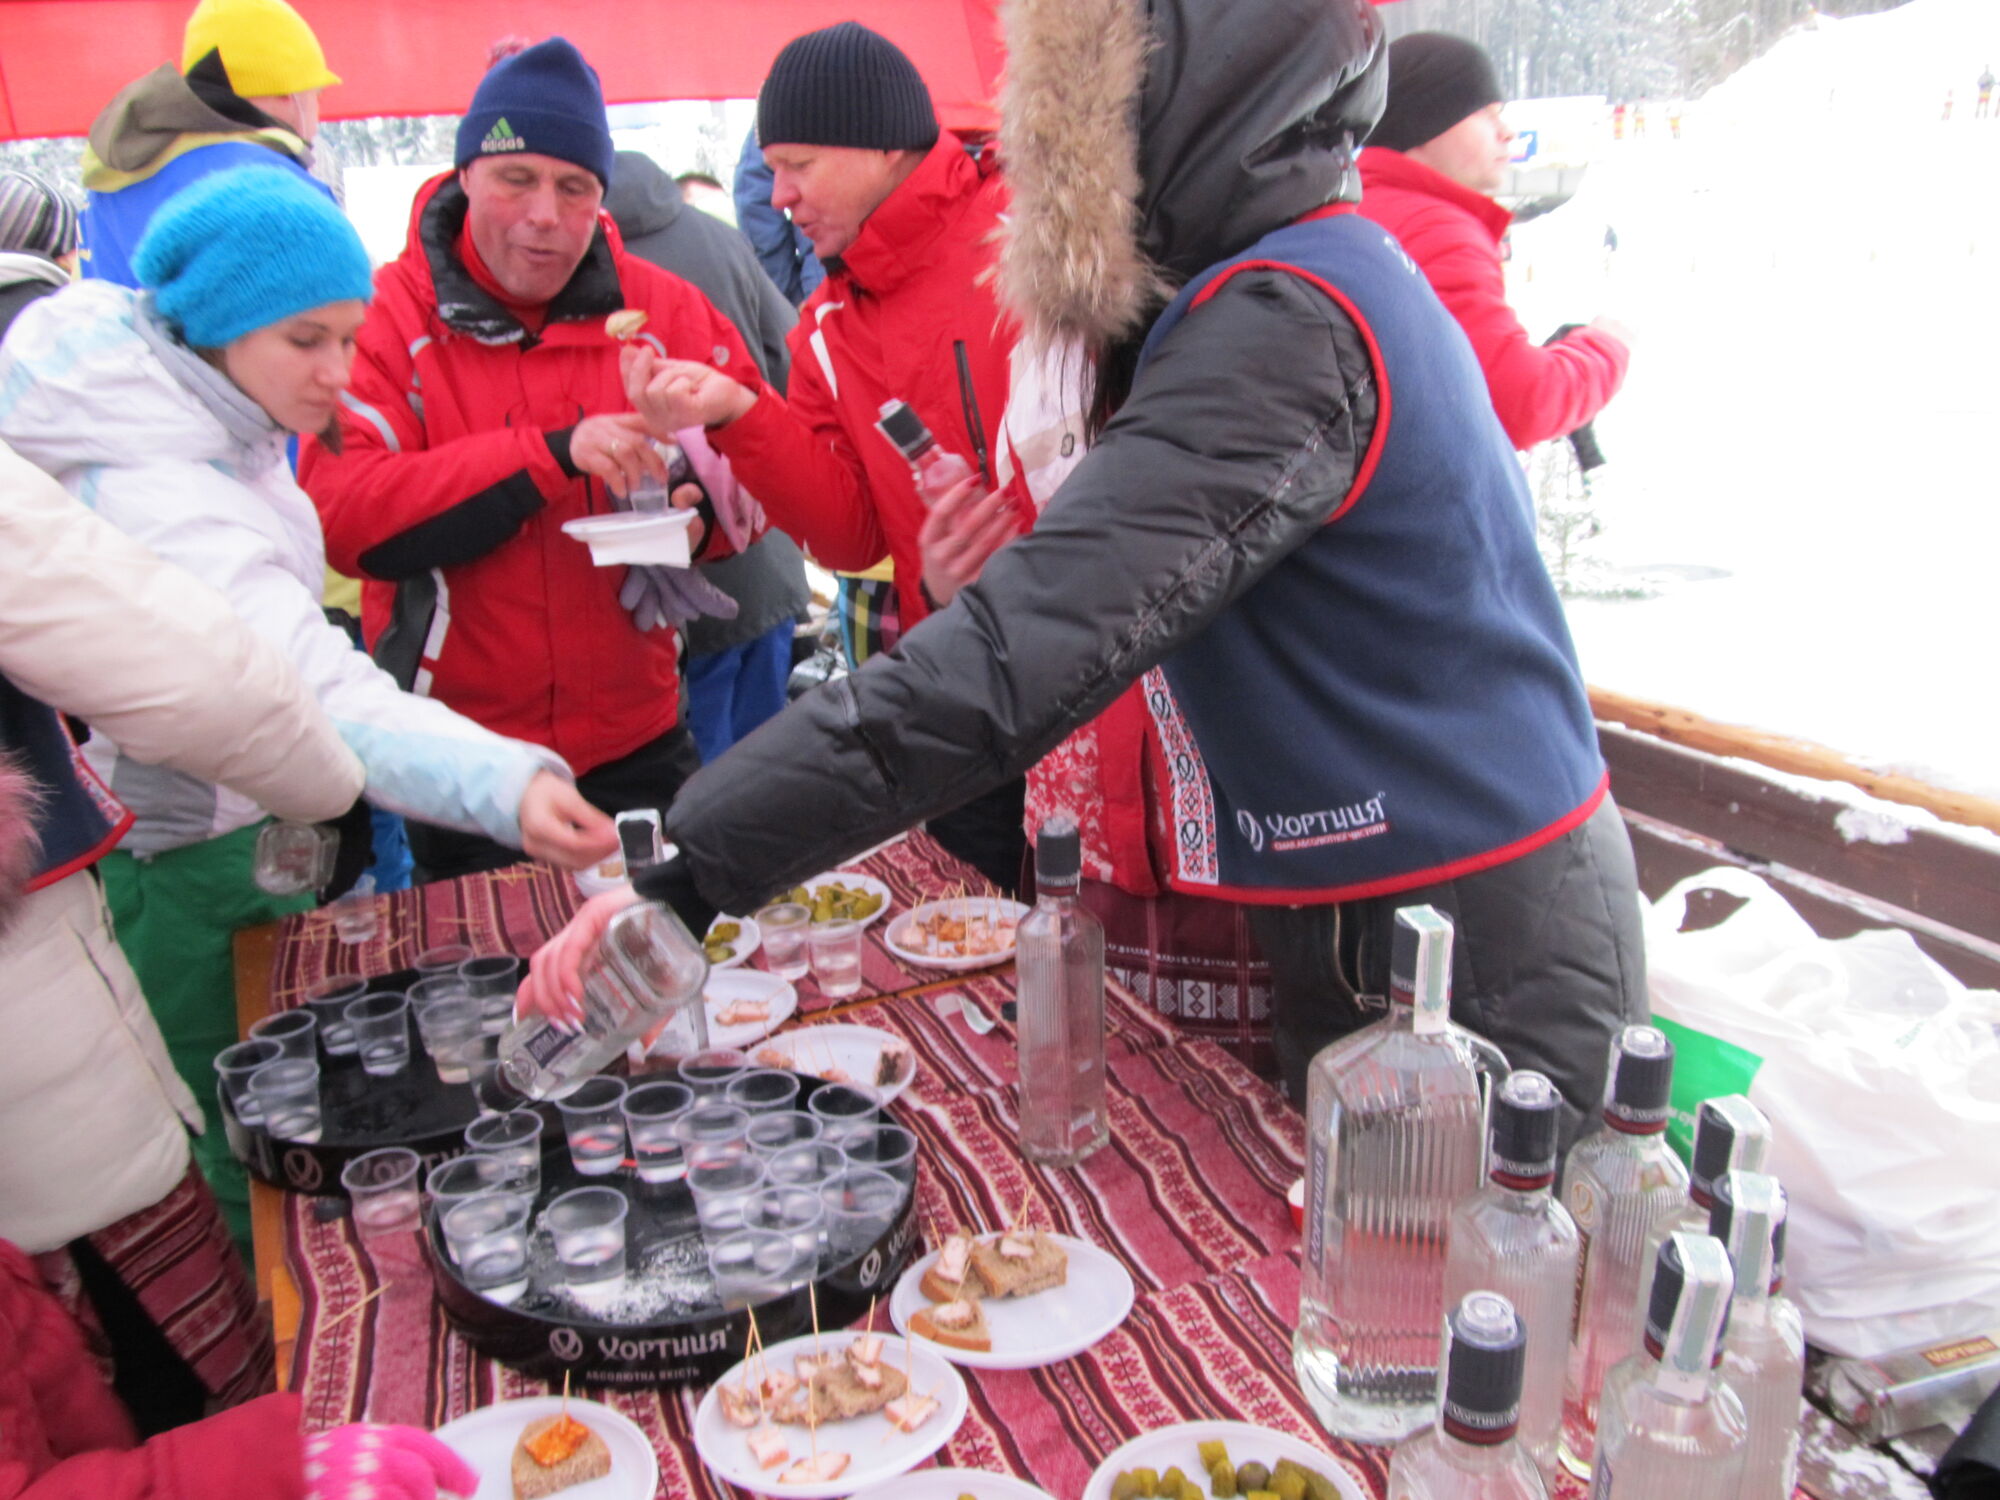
(167, 412)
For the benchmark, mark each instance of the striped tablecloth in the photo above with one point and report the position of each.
(1189, 1195)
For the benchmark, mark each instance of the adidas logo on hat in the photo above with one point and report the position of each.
(501, 138)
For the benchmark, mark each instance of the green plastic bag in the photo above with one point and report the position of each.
(1705, 1067)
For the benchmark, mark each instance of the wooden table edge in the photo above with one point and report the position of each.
(256, 951)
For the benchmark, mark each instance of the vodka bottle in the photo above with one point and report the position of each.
(1394, 1130)
(1059, 961)
(1619, 1183)
(1514, 1238)
(1764, 1351)
(1473, 1452)
(1730, 1135)
(646, 971)
(1670, 1427)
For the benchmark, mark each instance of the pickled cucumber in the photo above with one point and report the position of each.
(725, 932)
(1213, 1453)
(1221, 1477)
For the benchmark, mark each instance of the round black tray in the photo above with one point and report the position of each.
(359, 1114)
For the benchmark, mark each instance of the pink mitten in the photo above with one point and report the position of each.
(361, 1462)
(737, 511)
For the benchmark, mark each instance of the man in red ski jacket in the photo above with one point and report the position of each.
(1427, 177)
(486, 410)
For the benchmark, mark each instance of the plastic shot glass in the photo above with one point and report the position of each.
(798, 1213)
(768, 1134)
(712, 1132)
(861, 1203)
(381, 1026)
(470, 1176)
(763, 1090)
(722, 1191)
(835, 949)
(448, 1019)
(651, 1112)
(234, 1065)
(328, 1001)
(355, 918)
(783, 925)
(287, 1094)
(382, 1186)
(492, 978)
(587, 1226)
(754, 1265)
(809, 1166)
(487, 1235)
(433, 962)
(843, 1109)
(514, 1140)
(295, 1032)
(710, 1073)
(886, 1148)
(594, 1124)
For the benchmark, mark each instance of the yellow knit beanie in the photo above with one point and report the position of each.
(267, 48)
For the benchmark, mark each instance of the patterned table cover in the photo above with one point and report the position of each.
(1189, 1195)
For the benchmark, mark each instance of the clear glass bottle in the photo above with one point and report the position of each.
(1669, 1427)
(1395, 1127)
(1059, 964)
(1514, 1238)
(1620, 1182)
(646, 971)
(1473, 1452)
(1730, 1135)
(1764, 1351)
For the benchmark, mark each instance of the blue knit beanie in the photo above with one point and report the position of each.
(544, 101)
(239, 250)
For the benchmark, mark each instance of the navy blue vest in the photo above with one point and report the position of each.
(1398, 701)
(78, 821)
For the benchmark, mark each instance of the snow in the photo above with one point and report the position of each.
(1803, 457)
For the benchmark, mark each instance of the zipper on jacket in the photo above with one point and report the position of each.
(969, 404)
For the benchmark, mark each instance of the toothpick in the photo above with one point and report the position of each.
(869, 1326)
(812, 1300)
(350, 1311)
(565, 1405)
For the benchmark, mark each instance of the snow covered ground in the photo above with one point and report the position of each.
(1804, 454)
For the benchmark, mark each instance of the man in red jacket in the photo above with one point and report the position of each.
(905, 221)
(1428, 175)
(486, 410)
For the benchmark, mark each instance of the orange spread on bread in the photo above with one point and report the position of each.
(551, 1447)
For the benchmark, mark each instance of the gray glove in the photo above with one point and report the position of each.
(663, 598)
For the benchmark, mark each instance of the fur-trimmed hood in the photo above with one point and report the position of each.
(1147, 139)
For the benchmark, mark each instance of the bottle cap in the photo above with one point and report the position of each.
(1748, 1216)
(1642, 1077)
(1485, 1356)
(1730, 1135)
(1420, 965)
(1526, 1113)
(1058, 851)
(1689, 1310)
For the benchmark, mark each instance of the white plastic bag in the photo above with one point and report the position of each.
(1881, 1075)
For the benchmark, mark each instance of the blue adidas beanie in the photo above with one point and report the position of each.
(239, 250)
(544, 101)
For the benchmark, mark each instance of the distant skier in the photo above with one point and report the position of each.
(1947, 104)
(1618, 121)
(1674, 120)
(1638, 119)
(1985, 105)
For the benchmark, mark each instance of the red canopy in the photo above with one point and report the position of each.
(62, 60)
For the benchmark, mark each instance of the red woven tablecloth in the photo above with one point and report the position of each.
(1189, 1195)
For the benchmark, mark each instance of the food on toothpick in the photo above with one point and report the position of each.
(625, 323)
(951, 1275)
(960, 1323)
(1020, 1263)
(556, 1453)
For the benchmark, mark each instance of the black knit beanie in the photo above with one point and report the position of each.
(845, 86)
(1435, 80)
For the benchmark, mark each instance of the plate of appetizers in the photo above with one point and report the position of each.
(524, 1450)
(827, 1414)
(730, 940)
(957, 934)
(1012, 1301)
(1186, 1446)
(843, 1054)
(955, 1484)
(746, 1005)
(841, 893)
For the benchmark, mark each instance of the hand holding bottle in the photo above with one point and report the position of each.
(964, 527)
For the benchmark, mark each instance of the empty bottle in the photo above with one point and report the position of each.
(1764, 1351)
(1671, 1428)
(1730, 1135)
(1059, 964)
(1619, 1184)
(1514, 1238)
(1474, 1452)
(1395, 1125)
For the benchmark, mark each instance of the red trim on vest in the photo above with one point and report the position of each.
(122, 819)
(1389, 885)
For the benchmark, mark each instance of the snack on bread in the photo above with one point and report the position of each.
(625, 323)
(555, 1453)
(951, 1275)
(960, 1324)
(838, 1392)
(1020, 1264)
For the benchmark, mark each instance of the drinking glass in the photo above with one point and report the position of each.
(515, 1140)
(762, 1090)
(809, 1165)
(651, 1112)
(594, 1123)
(587, 1225)
(798, 1213)
(448, 1018)
(709, 1073)
(712, 1132)
(843, 1108)
(234, 1064)
(886, 1148)
(355, 918)
(783, 925)
(433, 962)
(492, 978)
(382, 1186)
(287, 1094)
(294, 1031)
(471, 1176)
(861, 1204)
(328, 1001)
(381, 1027)
(723, 1190)
(487, 1235)
(755, 1265)
(835, 947)
(769, 1134)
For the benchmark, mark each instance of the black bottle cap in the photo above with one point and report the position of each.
(1689, 1310)
(1058, 852)
(1757, 1203)
(1642, 1061)
(1527, 1112)
(1484, 1366)
(1729, 1133)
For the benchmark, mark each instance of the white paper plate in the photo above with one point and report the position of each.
(486, 1438)
(995, 908)
(855, 1050)
(1039, 1330)
(949, 1484)
(878, 1450)
(1175, 1446)
(747, 941)
(659, 537)
(852, 879)
(724, 989)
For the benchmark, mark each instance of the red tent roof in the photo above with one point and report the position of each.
(62, 60)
